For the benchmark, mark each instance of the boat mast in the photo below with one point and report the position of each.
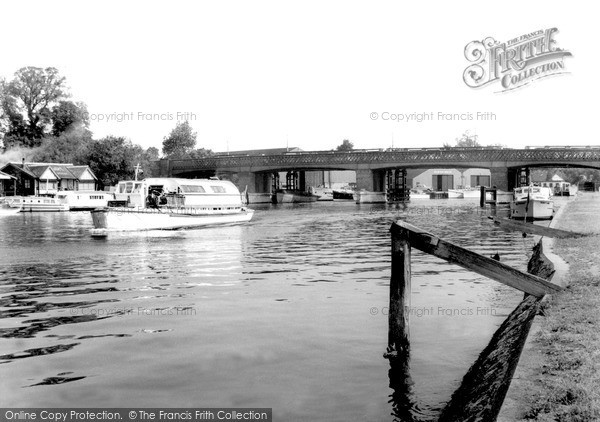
(138, 169)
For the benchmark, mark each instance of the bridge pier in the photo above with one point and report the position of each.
(371, 180)
(499, 176)
(258, 184)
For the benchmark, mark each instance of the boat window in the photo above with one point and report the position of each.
(129, 188)
(536, 190)
(218, 189)
(137, 188)
(192, 189)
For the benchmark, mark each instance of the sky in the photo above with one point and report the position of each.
(270, 74)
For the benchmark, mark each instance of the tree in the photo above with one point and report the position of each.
(111, 159)
(27, 101)
(180, 142)
(68, 147)
(67, 115)
(465, 141)
(147, 159)
(346, 145)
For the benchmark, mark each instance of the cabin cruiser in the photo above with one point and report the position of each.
(6, 208)
(324, 194)
(170, 204)
(286, 196)
(532, 202)
(37, 204)
(84, 200)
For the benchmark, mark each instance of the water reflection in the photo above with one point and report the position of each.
(266, 309)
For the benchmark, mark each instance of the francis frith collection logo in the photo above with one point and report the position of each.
(516, 62)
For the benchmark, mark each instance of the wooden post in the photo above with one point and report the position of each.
(482, 196)
(398, 335)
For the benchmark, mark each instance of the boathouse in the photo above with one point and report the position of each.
(46, 178)
(7, 184)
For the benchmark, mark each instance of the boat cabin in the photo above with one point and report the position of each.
(533, 192)
(178, 193)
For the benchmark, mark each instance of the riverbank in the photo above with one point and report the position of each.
(558, 377)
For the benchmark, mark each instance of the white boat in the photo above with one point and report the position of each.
(183, 203)
(455, 194)
(368, 197)
(343, 194)
(5, 209)
(37, 204)
(287, 196)
(420, 194)
(532, 202)
(84, 200)
(324, 194)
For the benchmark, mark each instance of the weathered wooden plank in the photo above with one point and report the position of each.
(505, 223)
(400, 281)
(473, 261)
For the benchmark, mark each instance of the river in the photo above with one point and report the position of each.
(288, 311)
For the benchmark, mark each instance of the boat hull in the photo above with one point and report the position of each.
(536, 210)
(127, 220)
(39, 204)
(455, 194)
(367, 197)
(293, 197)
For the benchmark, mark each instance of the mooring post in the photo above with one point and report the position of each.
(399, 309)
(482, 196)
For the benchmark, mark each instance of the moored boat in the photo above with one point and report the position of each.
(171, 204)
(84, 200)
(532, 202)
(368, 197)
(5, 209)
(287, 196)
(343, 194)
(324, 194)
(455, 194)
(37, 204)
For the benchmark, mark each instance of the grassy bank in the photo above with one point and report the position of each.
(566, 384)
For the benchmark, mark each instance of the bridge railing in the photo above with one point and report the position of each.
(422, 156)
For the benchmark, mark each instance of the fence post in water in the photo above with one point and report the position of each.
(398, 335)
(482, 196)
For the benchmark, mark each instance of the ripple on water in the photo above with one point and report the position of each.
(243, 314)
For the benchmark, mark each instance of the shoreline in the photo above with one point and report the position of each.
(556, 376)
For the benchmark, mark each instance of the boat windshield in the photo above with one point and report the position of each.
(192, 189)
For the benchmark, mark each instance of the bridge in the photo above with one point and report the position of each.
(373, 166)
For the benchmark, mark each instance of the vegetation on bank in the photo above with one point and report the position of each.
(38, 122)
(567, 387)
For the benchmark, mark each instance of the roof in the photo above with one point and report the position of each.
(20, 168)
(4, 176)
(79, 170)
(60, 170)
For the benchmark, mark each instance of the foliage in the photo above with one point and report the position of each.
(27, 104)
(111, 159)
(67, 115)
(68, 147)
(180, 142)
(465, 141)
(346, 145)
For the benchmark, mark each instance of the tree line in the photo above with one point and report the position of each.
(38, 117)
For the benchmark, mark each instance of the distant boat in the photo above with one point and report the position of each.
(5, 209)
(368, 197)
(533, 203)
(37, 204)
(343, 194)
(324, 194)
(287, 196)
(84, 200)
(455, 194)
(181, 204)
(420, 194)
